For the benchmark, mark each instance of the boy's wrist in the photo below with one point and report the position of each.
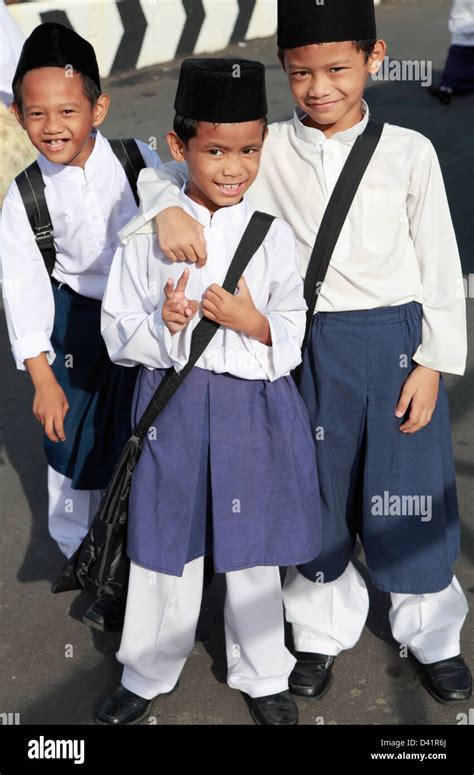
(259, 328)
(41, 373)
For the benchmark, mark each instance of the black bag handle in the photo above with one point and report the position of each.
(255, 233)
(31, 186)
(336, 213)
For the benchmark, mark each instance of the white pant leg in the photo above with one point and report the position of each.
(430, 625)
(326, 618)
(160, 626)
(70, 512)
(258, 663)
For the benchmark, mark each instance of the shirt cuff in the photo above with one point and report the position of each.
(449, 365)
(280, 358)
(178, 346)
(31, 346)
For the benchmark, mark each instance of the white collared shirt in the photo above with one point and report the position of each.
(397, 244)
(132, 325)
(87, 207)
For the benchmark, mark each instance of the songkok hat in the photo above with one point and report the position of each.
(303, 22)
(222, 91)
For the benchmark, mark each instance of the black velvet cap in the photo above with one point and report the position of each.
(222, 91)
(303, 22)
(53, 45)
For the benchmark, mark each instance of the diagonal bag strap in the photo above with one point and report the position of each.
(31, 187)
(255, 233)
(336, 213)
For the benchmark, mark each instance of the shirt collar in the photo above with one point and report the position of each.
(315, 136)
(93, 166)
(234, 215)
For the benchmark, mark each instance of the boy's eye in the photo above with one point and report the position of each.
(250, 151)
(68, 110)
(336, 69)
(215, 151)
(35, 113)
(299, 74)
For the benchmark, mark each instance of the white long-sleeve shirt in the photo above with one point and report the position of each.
(87, 207)
(397, 244)
(132, 325)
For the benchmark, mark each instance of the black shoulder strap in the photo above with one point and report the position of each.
(129, 156)
(31, 187)
(255, 233)
(336, 213)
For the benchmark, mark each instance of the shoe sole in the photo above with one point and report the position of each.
(101, 627)
(439, 699)
(308, 695)
(129, 724)
(97, 720)
(261, 724)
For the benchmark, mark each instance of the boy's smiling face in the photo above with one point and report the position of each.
(223, 161)
(327, 81)
(58, 116)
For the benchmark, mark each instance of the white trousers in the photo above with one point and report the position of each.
(329, 618)
(160, 624)
(70, 512)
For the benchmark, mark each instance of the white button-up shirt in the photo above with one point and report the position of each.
(132, 325)
(88, 207)
(397, 244)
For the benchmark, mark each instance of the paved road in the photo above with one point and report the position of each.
(47, 681)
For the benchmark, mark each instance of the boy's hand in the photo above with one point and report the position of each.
(181, 237)
(420, 392)
(50, 406)
(178, 310)
(237, 312)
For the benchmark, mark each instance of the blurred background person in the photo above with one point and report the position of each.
(16, 151)
(458, 75)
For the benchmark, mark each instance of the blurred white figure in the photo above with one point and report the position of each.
(458, 75)
(11, 43)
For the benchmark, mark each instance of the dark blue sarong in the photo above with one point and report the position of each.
(99, 393)
(396, 491)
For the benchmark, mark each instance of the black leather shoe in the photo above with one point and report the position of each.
(123, 707)
(448, 680)
(311, 676)
(443, 93)
(105, 614)
(274, 709)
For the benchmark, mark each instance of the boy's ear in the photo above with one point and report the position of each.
(176, 146)
(377, 56)
(100, 109)
(18, 113)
